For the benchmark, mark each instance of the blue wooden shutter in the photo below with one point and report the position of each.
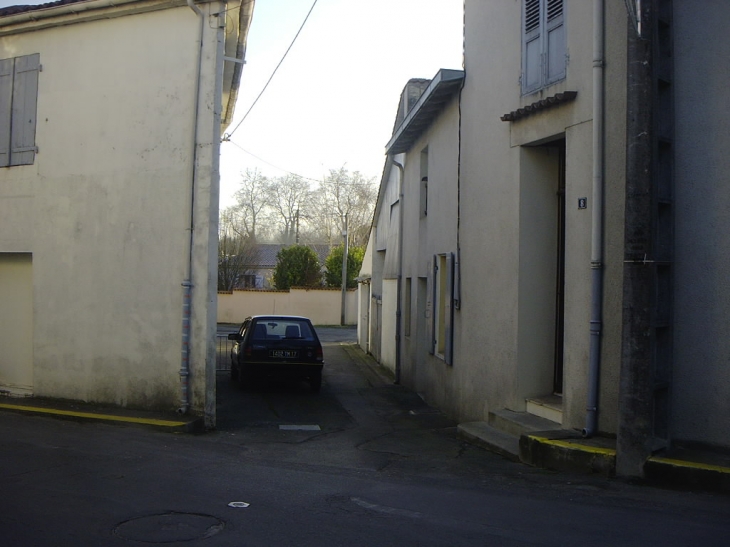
(431, 289)
(449, 311)
(25, 102)
(531, 46)
(555, 41)
(6, 103)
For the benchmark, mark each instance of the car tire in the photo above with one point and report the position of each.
(315, 381)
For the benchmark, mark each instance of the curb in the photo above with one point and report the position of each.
(563, 452)
(194, 425)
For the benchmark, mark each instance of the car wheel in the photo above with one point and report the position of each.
(315, 381)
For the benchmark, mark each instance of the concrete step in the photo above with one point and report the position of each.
(494, 440)
(518, 423)
(549, 407)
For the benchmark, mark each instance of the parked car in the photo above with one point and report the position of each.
(276, 346)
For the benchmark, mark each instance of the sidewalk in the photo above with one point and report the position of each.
(565, 450)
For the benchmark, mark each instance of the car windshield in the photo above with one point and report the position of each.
(281, 329)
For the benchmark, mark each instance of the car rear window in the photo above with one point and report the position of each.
(281, 329)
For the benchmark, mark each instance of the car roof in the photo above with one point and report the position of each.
(282, 317)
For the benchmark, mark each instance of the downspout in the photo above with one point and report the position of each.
(187, 282)
(399, 305)
(594, 356)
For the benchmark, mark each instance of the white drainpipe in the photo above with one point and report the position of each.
(187, 282)
(594, 363)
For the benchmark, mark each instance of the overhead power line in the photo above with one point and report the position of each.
(227, 136)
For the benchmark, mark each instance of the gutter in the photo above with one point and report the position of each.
(399, 291)
(187, 282)
(594, 356)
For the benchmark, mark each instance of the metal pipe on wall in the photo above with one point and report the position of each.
(594, 356)
(399, 290)
(187, 283)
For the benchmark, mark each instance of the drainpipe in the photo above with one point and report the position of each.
(399, 305)
(187, 282)
(594, 363)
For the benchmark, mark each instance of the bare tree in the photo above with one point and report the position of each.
(290, 200)
(346, 194)
(236, 252)
(253, 199)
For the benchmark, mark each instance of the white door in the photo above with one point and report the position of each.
(16, 323)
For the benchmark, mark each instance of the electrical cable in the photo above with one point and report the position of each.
(227, 136)
(323, 181)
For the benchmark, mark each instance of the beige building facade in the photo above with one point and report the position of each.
(109, 208)
(534, 273)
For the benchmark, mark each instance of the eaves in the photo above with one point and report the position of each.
(442, 88)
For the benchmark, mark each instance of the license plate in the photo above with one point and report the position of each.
(285, 353)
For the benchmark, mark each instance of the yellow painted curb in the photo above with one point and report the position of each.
(111, 417)
(574, 446)
(690, 465)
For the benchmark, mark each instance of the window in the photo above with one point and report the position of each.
(544, 55)
(18, 102)
(423, 189)
(407, 306)
(443, 298)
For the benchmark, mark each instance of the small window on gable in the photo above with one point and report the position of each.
(18, 103)
(544, 54)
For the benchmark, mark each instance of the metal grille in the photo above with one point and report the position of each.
(223, 353)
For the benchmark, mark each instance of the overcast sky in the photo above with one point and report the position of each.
(333, 100)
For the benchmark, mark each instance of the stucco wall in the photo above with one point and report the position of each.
(506, 319)
(700, 403)
(105, 208)
(323, 307)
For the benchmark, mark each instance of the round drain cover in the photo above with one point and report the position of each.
(169, 527)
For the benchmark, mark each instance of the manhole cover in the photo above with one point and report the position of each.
(169, 527)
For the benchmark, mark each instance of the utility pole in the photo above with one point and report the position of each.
(297, 221)
(344, 272)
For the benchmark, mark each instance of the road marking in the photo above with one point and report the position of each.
(74, 414)
(300, 428)
(691, 465)
(575, 446)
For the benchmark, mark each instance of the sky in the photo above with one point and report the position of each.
(333, 100)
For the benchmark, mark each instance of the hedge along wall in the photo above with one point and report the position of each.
(322, 306)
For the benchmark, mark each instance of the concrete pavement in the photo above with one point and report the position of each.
(560, 450)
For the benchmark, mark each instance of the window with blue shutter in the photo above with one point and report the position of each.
(18, 106)
(544, 55)
(442, 320)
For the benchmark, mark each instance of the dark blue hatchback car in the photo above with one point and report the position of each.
(277, 346)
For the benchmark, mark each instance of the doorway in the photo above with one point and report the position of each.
(16, 324)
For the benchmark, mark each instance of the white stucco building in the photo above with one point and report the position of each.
(528, 281)
(111, 114)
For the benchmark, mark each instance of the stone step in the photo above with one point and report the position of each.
(518, 423)
(549, 407)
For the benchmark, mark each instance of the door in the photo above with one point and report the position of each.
(16, 323)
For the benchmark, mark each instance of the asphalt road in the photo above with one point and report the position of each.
(363, 463)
